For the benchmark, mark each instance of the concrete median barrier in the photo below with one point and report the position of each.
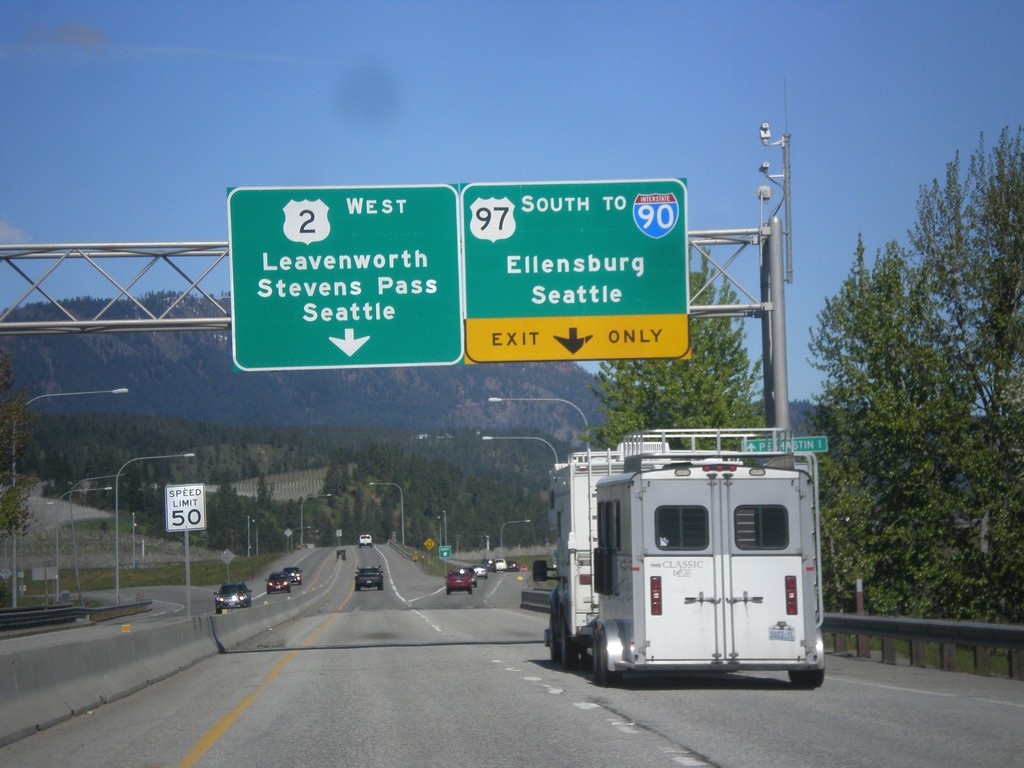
(43, 686)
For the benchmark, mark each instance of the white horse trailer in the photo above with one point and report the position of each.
(572, 512)
(708, 558)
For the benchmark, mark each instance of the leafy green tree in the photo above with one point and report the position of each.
(714, 388)
(969, 246)
(887, 410)
(922, 353)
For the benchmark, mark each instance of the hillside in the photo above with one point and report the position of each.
(191, 375)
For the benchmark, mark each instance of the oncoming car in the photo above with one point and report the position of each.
(294, 573)
(232, 595)
(279, 582)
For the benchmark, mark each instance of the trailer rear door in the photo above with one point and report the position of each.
(722, 567)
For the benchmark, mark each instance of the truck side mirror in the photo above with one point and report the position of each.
(540, 571)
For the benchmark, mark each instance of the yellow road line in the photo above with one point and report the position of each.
(211, 736)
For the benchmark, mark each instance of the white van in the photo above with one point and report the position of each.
(365, 540)
(500, 564)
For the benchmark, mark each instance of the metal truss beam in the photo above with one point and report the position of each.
(196, 275)
(130, 273)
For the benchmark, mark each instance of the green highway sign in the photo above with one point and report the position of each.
(444, 552)
(345, 277)
(817, 444)
(576, 270)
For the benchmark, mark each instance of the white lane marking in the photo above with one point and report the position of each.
(928, 693)
(429, 622)
(391, 581)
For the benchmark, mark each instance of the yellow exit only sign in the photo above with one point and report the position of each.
(602, 337)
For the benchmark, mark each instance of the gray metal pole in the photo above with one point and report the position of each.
(775, 320)
(767, 353)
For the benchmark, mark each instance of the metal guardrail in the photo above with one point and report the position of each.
(396, 547)
(24, 618)
(53, 615)
(948, 635)
(536, 600)
(920, 633)
(927, 630)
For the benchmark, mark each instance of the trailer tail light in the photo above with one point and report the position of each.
(791, 604)
(655, 595)
(585, 579)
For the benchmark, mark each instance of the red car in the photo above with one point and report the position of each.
(459, 580)
(279, 582)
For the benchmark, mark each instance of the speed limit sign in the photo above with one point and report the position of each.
(186, 507)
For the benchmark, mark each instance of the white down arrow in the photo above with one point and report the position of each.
(350, 344)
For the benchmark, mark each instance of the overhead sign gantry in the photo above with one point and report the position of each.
(370, 276)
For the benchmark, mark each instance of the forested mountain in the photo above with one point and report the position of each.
(417, 427)
(452, 485)
(191, 375)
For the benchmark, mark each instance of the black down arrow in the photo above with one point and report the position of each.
(574, 343)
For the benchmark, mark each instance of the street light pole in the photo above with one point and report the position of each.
(302, 542)
(117, 538)
(579, 410)
(14, 472)
(501, 533)
(74, 541)
(401, 501)
(524, 437)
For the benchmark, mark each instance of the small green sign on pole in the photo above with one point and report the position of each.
(444, 552)
(815, 444)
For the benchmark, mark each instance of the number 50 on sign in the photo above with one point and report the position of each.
(186, 507)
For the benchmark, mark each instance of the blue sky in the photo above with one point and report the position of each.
(127, 121)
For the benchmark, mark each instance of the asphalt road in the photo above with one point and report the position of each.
(411, 676)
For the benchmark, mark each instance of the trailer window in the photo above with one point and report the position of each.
(609, 527)
(761, 527)
(681, 527)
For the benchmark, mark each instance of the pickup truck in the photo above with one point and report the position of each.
(369, 577)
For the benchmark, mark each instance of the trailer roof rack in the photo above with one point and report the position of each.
(655, 446)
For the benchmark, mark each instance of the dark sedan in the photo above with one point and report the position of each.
(279, 582)
(232, 595)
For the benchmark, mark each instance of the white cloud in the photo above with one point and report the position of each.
(11, 234)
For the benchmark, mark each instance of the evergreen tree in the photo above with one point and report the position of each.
(714, 388)
(15, 432)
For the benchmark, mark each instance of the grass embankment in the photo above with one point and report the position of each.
(249, 569)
